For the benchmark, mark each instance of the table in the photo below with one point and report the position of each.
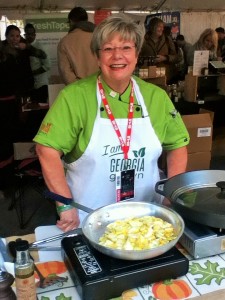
(30, 117)
(212, 287)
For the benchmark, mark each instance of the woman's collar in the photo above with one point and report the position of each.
(113, 94)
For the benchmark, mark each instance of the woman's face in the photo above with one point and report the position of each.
(117, 60)
(208, 42)
(13, 38)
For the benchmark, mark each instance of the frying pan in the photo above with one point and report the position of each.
(95, 223)
(94, 226)
(198, 196)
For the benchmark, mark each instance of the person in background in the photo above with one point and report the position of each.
(86, 131)
(75, 60)
(16, 81)
(39, 66)
(208, 40)
(221, 42)
(158, 45)
(183, 48)
(167, 31)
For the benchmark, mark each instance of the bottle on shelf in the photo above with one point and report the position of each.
(180, 89)
(174, 93)
(169, 91)
(24, 272)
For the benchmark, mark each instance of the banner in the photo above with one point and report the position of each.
(100, 15)
(49, 31)
(171, 19)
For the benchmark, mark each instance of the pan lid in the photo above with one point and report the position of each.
(203, 204)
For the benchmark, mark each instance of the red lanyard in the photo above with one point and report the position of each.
(125, 146)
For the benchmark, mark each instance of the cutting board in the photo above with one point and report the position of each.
(43, 232)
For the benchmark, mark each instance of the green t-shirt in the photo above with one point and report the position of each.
(68, 124)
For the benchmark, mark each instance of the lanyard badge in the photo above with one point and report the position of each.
(124, 179)
(125, 145)
(125, 185)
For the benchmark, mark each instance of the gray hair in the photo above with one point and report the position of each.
(128, 29)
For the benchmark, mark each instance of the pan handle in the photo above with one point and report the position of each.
(67, 201)
(81, 207)
(159, 186)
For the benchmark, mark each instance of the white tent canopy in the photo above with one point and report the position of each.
(124, 5)
(195, 15)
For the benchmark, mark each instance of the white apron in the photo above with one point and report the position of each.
(92, 178)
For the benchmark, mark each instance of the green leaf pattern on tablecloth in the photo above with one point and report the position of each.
(209, 272)
(63, 297)
(204, 276)
(60, 297)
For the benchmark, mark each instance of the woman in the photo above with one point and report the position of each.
(16, 80)
(106, 124)
(208, 40)
(161, 47)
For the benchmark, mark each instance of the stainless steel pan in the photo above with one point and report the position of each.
(94, 225)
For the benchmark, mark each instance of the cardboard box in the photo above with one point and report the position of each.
(190, 87)
(206, 111)
(151, 71)
(24, 150)
(160, 81)
(200, 128)
(53, 91)
(199, 161)
(143, 72)
(196, 161)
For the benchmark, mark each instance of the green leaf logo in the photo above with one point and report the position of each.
(139, 153)
(210, 272)
(135, 153)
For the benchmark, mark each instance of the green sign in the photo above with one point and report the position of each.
(50, 24)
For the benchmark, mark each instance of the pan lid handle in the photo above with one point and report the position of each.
(159, 186)
(221, 185)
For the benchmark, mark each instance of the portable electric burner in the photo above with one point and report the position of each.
(99, 277)
(202, 241)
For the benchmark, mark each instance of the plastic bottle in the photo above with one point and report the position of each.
(24, 272)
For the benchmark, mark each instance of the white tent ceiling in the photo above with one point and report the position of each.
(124, 5)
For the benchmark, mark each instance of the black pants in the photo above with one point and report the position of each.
(40, 95)
(8, 131)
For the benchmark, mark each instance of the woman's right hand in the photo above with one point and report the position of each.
(69, 220)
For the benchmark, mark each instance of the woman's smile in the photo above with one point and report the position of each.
(118, 66)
